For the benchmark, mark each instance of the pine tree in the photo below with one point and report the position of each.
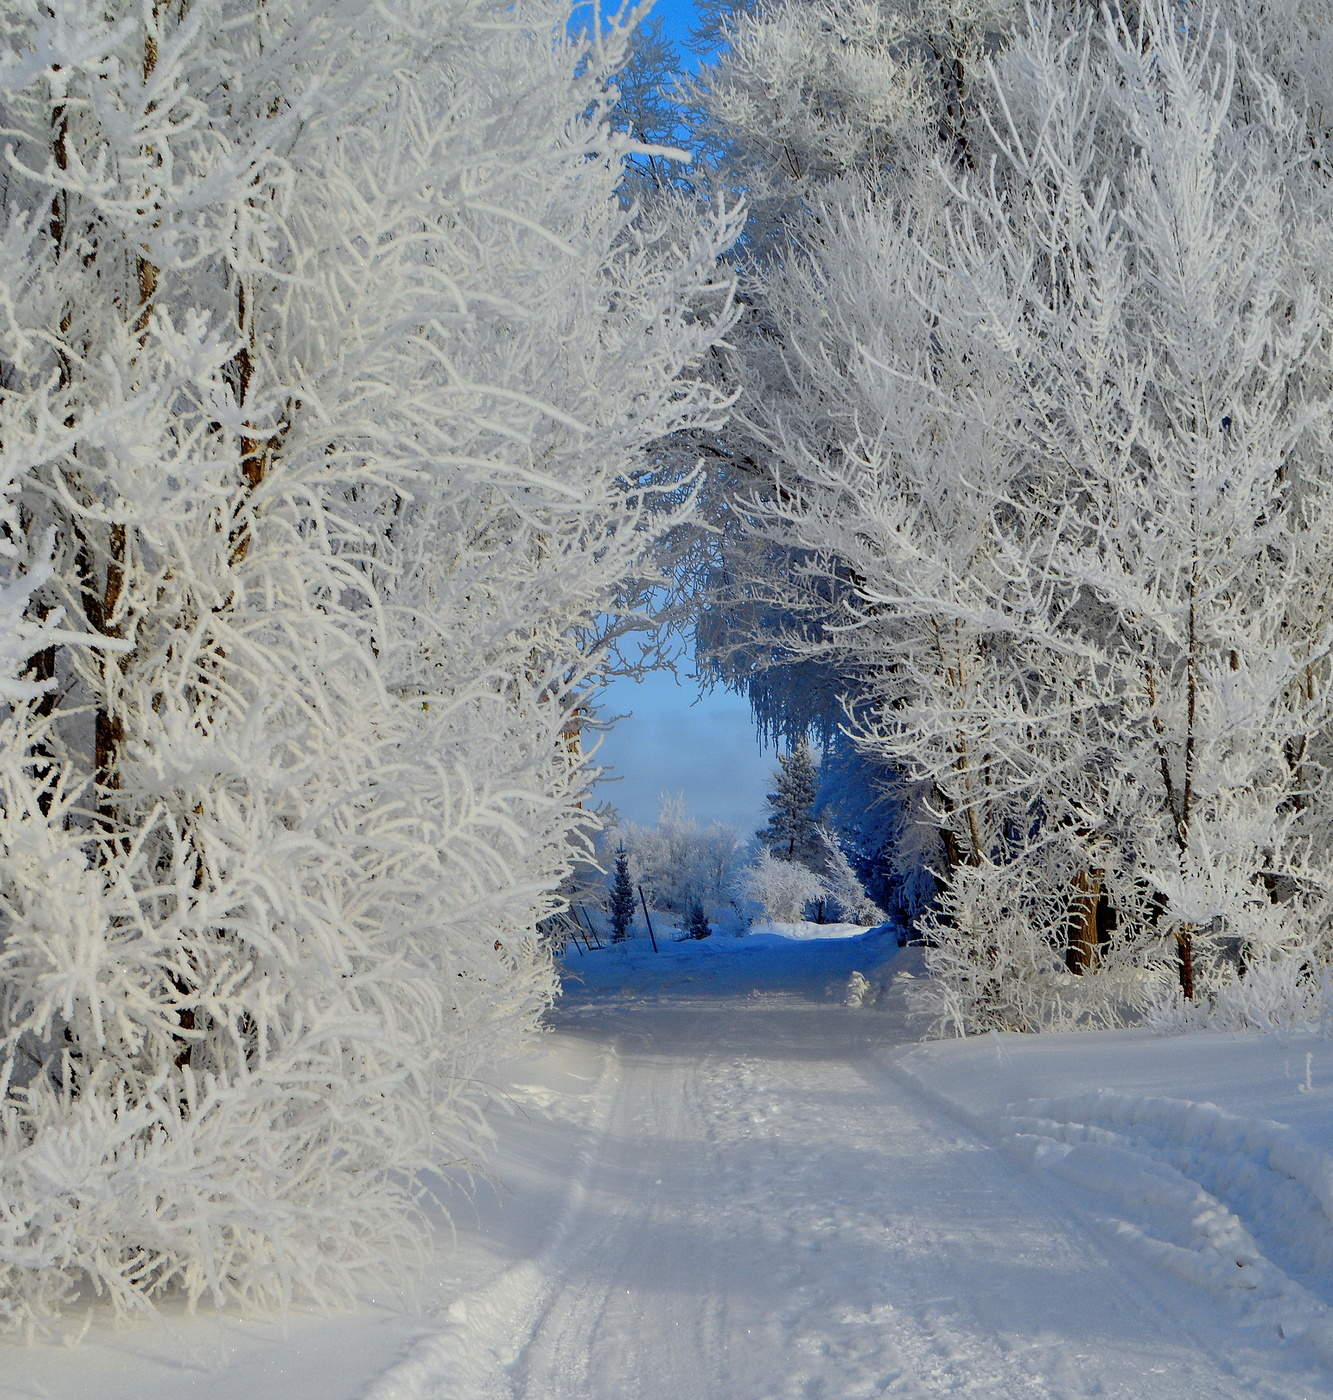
(792, 832)
(697, 925)
(620, 901)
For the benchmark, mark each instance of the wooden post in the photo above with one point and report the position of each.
(1185, 959)
(646, 919)
(588, 923)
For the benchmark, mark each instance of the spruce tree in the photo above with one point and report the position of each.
(792, 832)
(620, 901)
(697, 925)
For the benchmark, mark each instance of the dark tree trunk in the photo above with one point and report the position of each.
(1081, 954)
(1185, 960)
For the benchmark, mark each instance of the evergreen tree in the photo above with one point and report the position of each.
(697, 925)
(620, 901)
(792, 832)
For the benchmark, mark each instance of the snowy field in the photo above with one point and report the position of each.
(719, 1181)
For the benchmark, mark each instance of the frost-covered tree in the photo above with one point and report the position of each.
(808, 100)
(806, 108)
(782, 888)
(329, 363)
(1053, 450)
(866, 805)
(678, 861)
(842, 885)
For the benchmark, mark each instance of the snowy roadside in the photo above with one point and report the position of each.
(453, 1334)
(1206, 1156)
(394, 1347)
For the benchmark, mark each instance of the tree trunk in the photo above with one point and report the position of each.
(101, 595)
(102, 601)
(1081, 954)
(1185, 959)
(42, 667)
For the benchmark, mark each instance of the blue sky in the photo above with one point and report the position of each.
(677, 741)
(677, 17)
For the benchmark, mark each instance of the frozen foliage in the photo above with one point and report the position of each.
(328, 359)
(679, 862)
(843, 886)
(863, 804)
(809, 98)
(782, 888)
(1046, 419)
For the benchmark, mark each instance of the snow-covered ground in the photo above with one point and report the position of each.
(721, 1182)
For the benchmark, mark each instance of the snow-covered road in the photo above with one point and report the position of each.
(719, 1182)
(770, 1212)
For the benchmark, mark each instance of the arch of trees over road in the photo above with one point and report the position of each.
(366, 372)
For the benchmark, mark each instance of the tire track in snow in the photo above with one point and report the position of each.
(1247, 1371)
(602, 1321)
(775, 1220)
(767, 1212)
(872, 1311)
(474, 1354)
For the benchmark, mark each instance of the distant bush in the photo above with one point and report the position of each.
(782, 888)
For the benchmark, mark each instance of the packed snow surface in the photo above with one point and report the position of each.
(731, 1174)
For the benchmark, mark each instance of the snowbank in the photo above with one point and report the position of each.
(1210, 1156)
(435, 1336)
(806, 931)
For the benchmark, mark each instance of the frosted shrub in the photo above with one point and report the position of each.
(996, 946)
(860, 991)
(1249, 991)
(782, 888)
